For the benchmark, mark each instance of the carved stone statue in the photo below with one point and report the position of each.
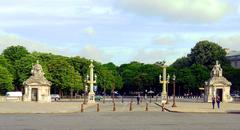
(217, 70)
(37, 70)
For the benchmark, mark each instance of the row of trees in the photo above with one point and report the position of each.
(65, 73)
(68, 73)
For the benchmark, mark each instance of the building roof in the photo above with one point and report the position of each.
(37, 77)
(233, 53)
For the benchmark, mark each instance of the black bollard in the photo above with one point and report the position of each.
(98, 109)
(146, 107)
(114, 107)
(130, 107)
(82, 108)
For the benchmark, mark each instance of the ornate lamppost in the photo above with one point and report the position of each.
(91, 80)
(174, 91)
(168, 78)
(164, 82)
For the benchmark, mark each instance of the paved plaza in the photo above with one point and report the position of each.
(75, 107)
(71, 107)
(120, 121)
(191, 107)
(68, 116)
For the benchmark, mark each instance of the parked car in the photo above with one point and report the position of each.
(235, 95)
(98, 98)
(55, 97)
(17, 95)
(117, 95)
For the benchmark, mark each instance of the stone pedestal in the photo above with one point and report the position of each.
(164, 97)
(91, 97)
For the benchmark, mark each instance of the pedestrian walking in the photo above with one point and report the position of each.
(218, 101)
(138, 99)
(213, 102)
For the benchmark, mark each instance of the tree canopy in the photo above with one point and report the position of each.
(5, 80)
(207, 53)
(69, 73)
(14, 53)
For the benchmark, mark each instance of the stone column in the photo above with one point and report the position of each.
(164, 82)
(91, 94)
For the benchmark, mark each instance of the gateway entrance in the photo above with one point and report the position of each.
(34, 95)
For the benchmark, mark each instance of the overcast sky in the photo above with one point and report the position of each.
(119, 31)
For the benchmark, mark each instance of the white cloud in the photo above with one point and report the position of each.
(7, 39)
(89, 31)
(163, 40)
(92, 52)
(230, 41)
(153, 55)
(52, 12)
(178, 10)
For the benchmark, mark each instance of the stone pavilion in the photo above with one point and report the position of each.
(37, 87)
(217, 85)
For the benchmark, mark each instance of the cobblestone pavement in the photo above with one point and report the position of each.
(71, 107)
(204, 107)
(120, 121)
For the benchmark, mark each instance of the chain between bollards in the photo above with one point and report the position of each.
(114, 106)
(98, 108)
(146, 107)
(82, 108)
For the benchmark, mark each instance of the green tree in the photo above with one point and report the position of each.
(14, 53)
(128, 72)
(142, 82)
(80, 64)
(201, 74)
(24, 67)
(5, 63)
(182, 62)
(140, 77)
(186, 80)
(105, 80)
(64, 77)
(207, 53)
(117, 79)
(5, 80)
(232, 74)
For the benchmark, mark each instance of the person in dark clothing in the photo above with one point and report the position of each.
(218, 101)
(138, 99)
(213, 102)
